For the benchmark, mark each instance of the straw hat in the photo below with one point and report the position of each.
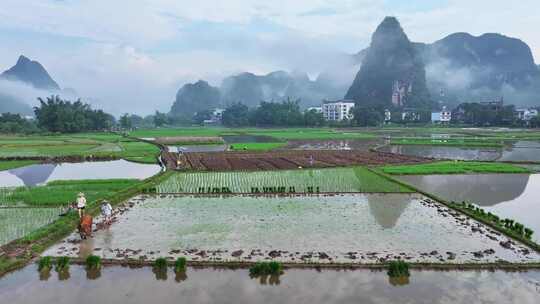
(80, 194)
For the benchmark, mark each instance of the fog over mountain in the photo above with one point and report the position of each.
(120, 65)
(22, 84)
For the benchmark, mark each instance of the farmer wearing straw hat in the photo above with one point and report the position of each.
(81, 203)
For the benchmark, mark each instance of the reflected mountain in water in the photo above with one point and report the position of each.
(480, 189)
(34, 174)
(387, 208)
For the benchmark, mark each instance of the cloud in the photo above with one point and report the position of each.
(133, 55)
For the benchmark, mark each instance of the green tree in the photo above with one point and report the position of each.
(160, 119)
(367, 116)
(57, 115)
(125, 121)
(313, 118)
(236, 115)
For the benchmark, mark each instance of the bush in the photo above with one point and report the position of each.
(93, 262)
(266, 268)
(180, 264)
(398, 269)
(62, 263)
(45, 263)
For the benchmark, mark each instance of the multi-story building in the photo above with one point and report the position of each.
(337, 110)
(526, 114)
(400, 91)
(444, 116)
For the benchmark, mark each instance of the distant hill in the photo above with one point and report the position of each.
(251, 89)
(462, 67)
(489, 66)
(32, 73)
(194, 97)
(391, 64)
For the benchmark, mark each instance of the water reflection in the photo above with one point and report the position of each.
(513, 196)
(93, 273)
(386, 209)
(398, 281)
(43, 173)
(273, 279)
(160, 273)
(180, 276)
(481, 189)
(238, 139)
(304, 286)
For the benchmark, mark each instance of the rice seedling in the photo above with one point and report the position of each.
(93, 262)
(398, 268)
(180, 265)
(356, 179)
(45, 263)
(62, 263)
(266, 268)
(160, 264)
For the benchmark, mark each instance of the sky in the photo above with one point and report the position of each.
(133, 55)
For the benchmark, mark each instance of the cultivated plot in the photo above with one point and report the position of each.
(362, 228)
(324, 180)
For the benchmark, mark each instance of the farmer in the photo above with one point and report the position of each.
(81, 204)
(106, 212)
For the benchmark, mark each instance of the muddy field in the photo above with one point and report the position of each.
(221, 161)
(355, 229)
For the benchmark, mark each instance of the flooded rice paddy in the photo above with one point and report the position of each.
(43, 173)
(304, 286)
(363, 228)
(520, 151)
(514, 196)
(345, 144)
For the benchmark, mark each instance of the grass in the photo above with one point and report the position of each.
(12, 164)
(453, 167)
(353, 179)
(61, 193)
(257, 146)
(450, 142)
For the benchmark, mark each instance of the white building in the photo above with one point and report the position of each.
(387, 116)
(217, 115)
(338, 110)
(444, 116)
(526, 114)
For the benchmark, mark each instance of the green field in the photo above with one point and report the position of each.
(278, 134)
(61, 193)
(256, 146)
(18, 222)
(450, 142)
(12, 164)
(96, 144)
(355, 179)
(454, 167)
